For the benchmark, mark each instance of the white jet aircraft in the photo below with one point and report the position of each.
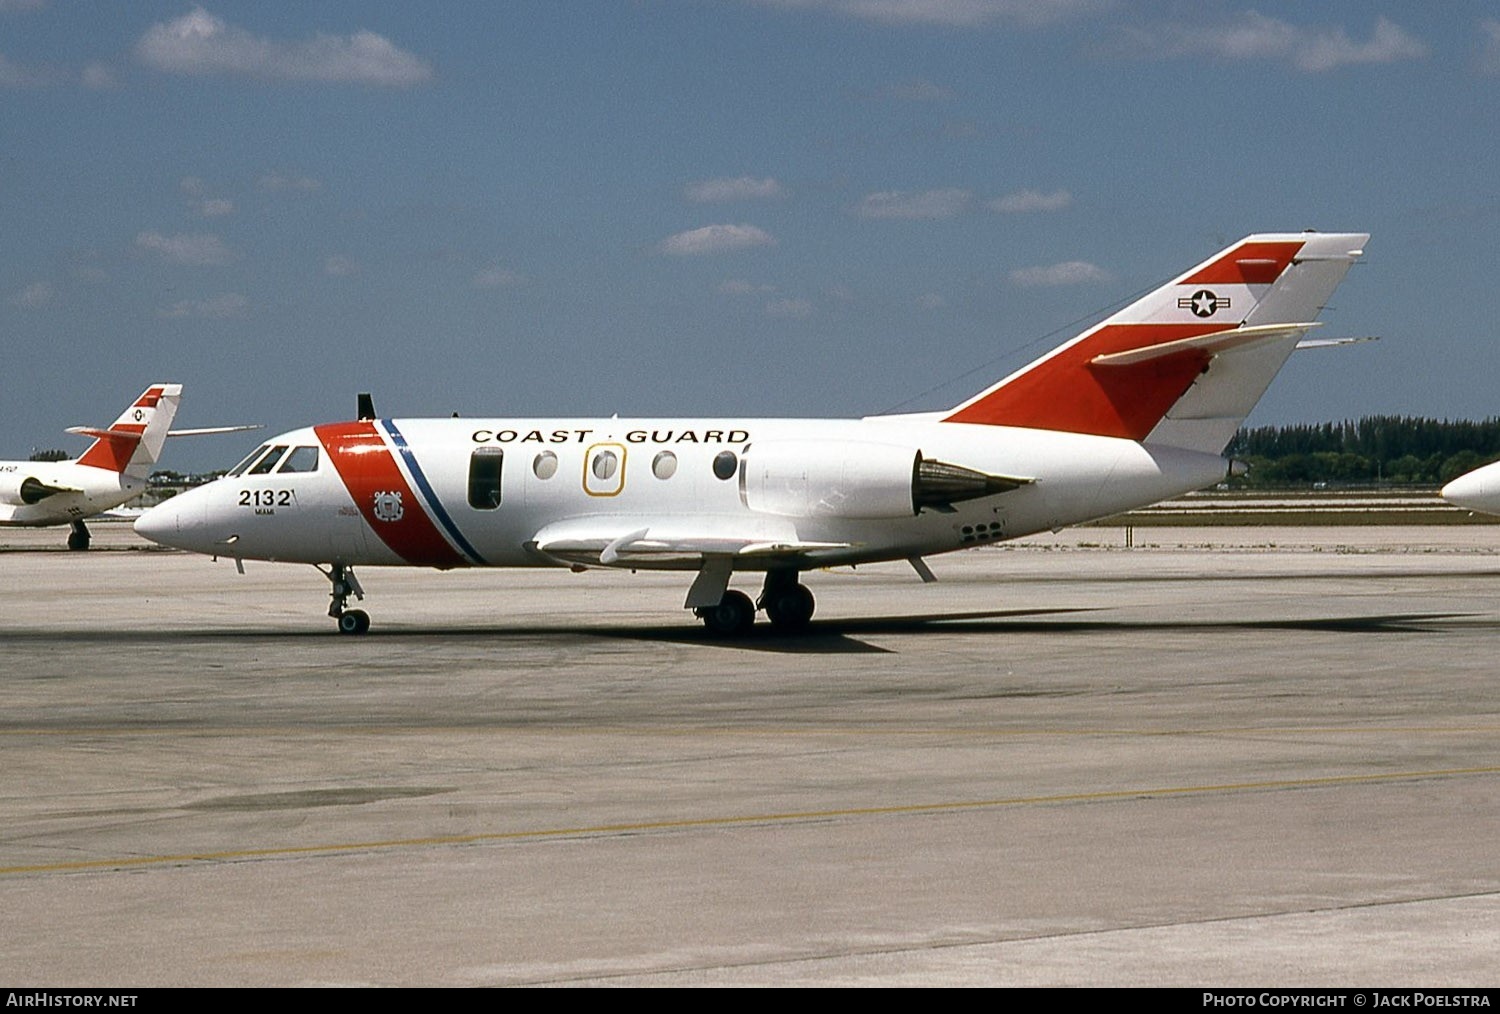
(1478, 490)
(1135, 410)
(114, 469)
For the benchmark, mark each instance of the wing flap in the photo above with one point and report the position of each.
(669, 543)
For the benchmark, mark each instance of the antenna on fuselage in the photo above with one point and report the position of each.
(366, 408)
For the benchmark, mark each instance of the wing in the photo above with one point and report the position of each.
(669, 543)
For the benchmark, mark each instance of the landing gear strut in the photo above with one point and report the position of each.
(78, 538)
(351, 621)
(788, 604)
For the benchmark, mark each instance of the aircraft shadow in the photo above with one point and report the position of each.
(842, 636)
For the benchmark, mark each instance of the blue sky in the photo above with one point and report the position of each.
(685, 207)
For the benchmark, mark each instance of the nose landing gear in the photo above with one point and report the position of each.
(351, 621)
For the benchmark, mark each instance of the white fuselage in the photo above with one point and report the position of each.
(1478, 490)
(400, 491)
(83, 491)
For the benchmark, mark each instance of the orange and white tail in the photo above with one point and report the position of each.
(134, 441)
(1185, 364)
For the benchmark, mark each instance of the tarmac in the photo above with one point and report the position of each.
(1254, 757)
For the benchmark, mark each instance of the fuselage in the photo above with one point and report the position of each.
(41, 493)
(452, 492)
(1478, 490)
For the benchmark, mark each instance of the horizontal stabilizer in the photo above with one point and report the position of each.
(211, 430)
(93, 431)
(1211, 344)
(1329, 343)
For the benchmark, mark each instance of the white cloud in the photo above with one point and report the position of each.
(200, 43)
(202, 250)
(740, 188)
(497, 277)
(230, 304)
(712, 239)
(1489, 47)
(1254, 36)
(794, 309)
(931, 301)
(1066, 273)
(196, 192)
(928, 204)
(1031, 200)
(34, 296)
(951, 13)
(339, 266)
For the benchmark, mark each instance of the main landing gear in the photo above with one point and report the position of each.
(78, 538)
(788, 605)
(351, 621)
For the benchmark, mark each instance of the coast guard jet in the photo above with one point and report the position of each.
(1477, 491)
(114, 469)
(1136, 409)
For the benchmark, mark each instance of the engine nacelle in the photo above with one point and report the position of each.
(835, 479)
(824, 478)
(21, 490)
(829, 479)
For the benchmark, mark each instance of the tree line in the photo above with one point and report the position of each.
(1375, 450)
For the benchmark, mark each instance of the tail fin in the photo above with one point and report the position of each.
(133, 442)
(1185, 364)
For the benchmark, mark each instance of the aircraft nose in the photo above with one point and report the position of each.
(173, 522)
(1479, 490)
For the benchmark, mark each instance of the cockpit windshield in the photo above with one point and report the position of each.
(237, 469)
(266, 464)
(302, 459)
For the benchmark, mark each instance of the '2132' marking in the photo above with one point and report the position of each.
(267, 497)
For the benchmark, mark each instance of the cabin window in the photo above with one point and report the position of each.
(484, 478)
(264, 465)
(604, 470)
(545, 465)
(237, 469)
(604, 465)
(302, 459)
(664, 465)
(725, 464)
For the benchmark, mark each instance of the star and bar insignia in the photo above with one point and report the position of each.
(1203, 303)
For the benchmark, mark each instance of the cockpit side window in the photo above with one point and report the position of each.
(302, 459)
(237, 469)
(264, 465)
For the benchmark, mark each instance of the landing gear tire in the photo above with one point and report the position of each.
(78, 538)
(789, 608)
(354, 621)
(341, 577)
(732, 617)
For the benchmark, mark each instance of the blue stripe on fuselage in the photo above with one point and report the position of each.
(434, 505)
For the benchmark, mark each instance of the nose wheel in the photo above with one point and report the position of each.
(351, 621)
